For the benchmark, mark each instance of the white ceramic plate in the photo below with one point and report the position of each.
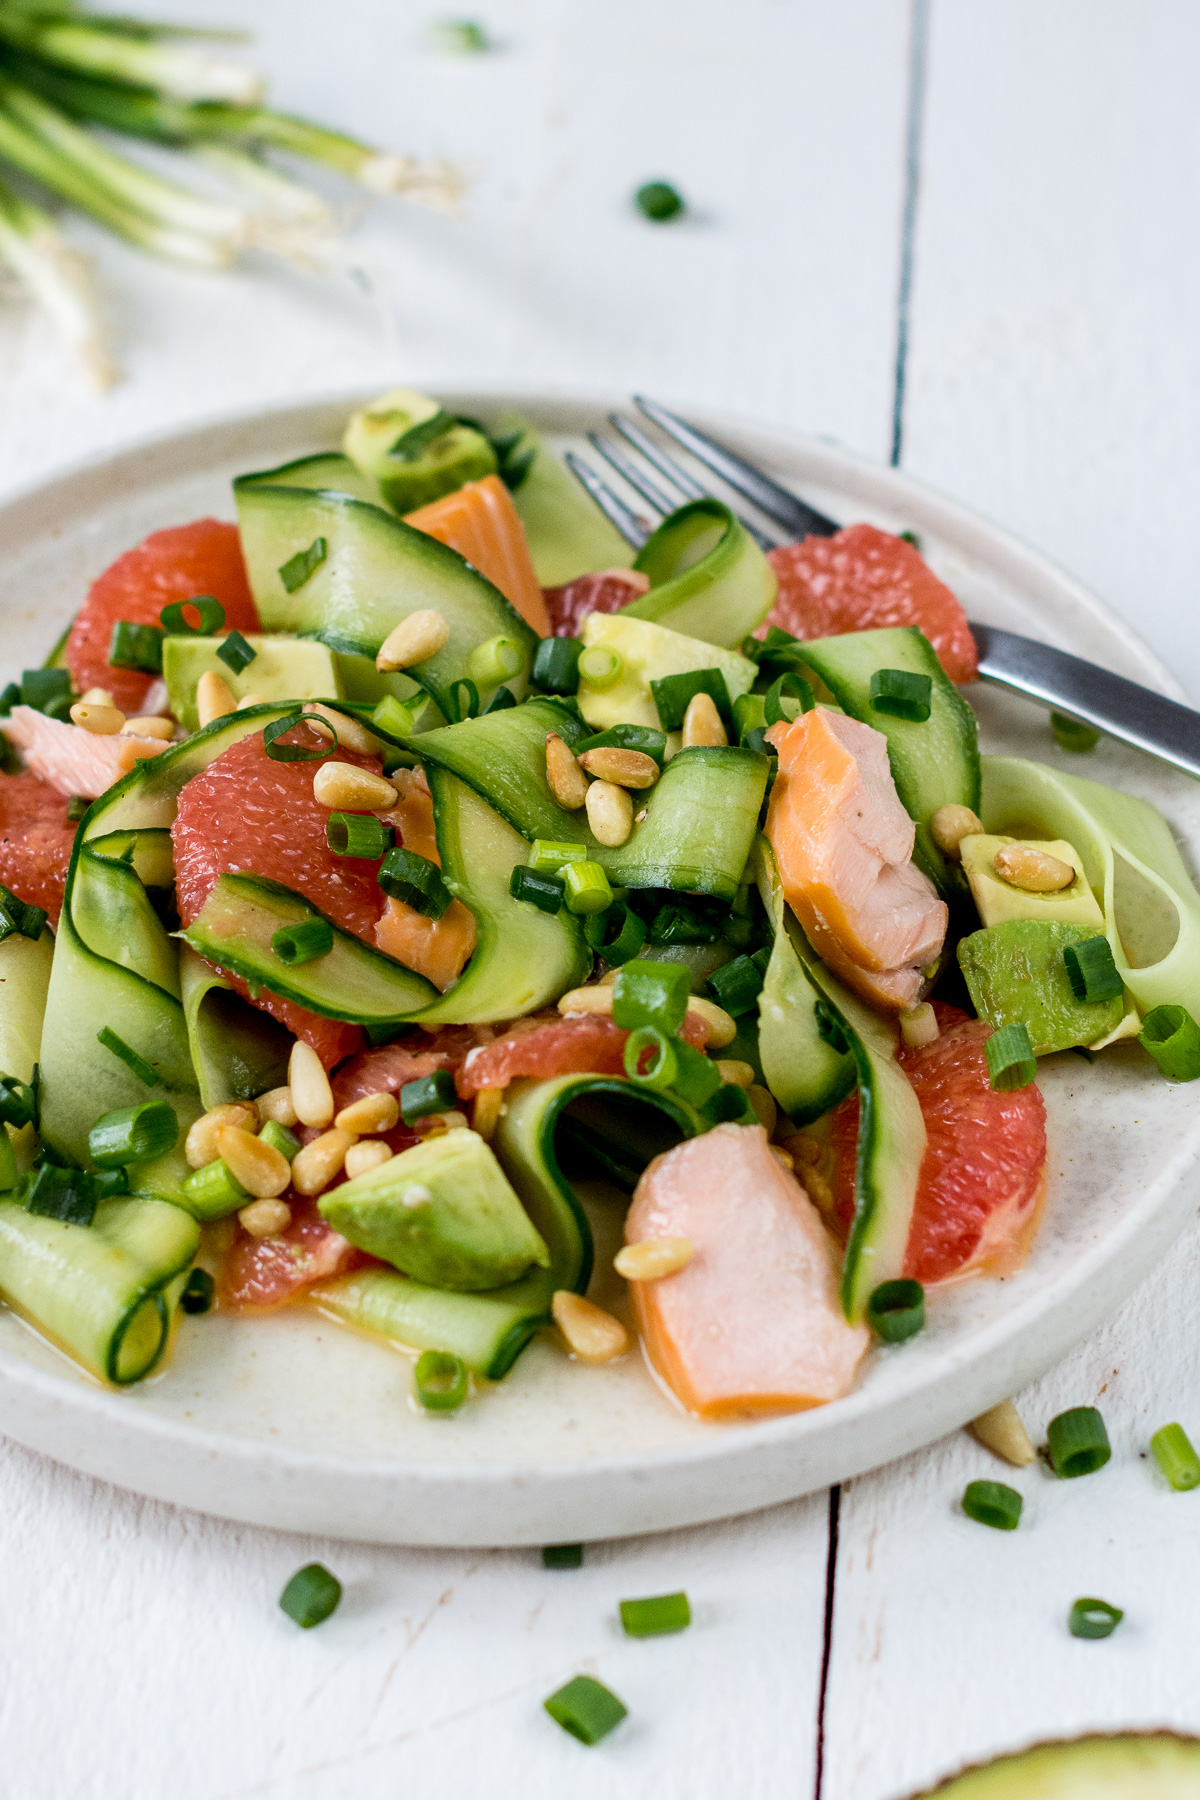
(288, 1421)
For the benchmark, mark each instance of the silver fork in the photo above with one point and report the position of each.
(1110, 703)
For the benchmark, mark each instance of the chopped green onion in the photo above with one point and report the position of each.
(628, 934)
(736, 986)
(303, 566)
(236, 653)
(697, 1078)
(44, 689)
(1093, 974)
(77, 805)
(1078, 1442)
(391, 715)
(675, 693)
(730, 1105)
(1172, 1037)
(650, 993)
(412, 444)
(214, 1191)
(440, 1381)
(549, 858)
(460, 701)
(648, 1040)
(556, 665)
(197, 1295)
(537, 888)
(586, 1709)
(655, 1617)
(358, 834)
(793, 686)
(1010, 1059)
(902, 694)
(108, 1183)
(311, 1595)
(1172, 1451)
(1072, 734)
(63, 1194)
(993, 1503)
(658, 201)
(144, 1071)
(627, 737)
(303, 942)
(600, 667)
(133, 1134)
(497, 660)
(461, 37)
(831, 1028)
(9, 697)
(896, 1310)
(135, 647)
(562, 1556)
(175, 623)
(17, 915)
(586, 887)
(1093, 1619)
(910, 537)
(18, 1103)
(415, 880)
(281, 1139)
(500, 701)
(434, 1093)
(296, 752)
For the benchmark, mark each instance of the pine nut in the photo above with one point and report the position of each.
(262, 1170)
(702, 723)
(804, 1149)
(200, 1145)
(625, 768)
(435, 1124)
(765, 1109)
(784, 1156)
(610, 813)
(312, 1096)
(414, 640)
(97, 696)
(150, 728)
(317, 1164)
(817, 1188)
(654, 1259)
(485, 1114)
(720, 1027)
(352, 734)
(370, 1115)
(276, 1104)
(567, 781)
(641, 817)
(249, 700)
(1000, 1428)
(594, 999)
(370, 1154)
(265, 1218)
(950, 825)
(1033, 871)
(214, 698)
(102, 721)
(919, 1026)
(591, 1333)
(343, 788)
(739, 1073)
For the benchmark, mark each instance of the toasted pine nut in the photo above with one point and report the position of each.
(816, 1187)
(214, 697)
(485, 1114)
(414, 640)
(372, 1153)
(597, 998)
(352, 734)
(784, 1156)
(919, 1026)
(372, 1114)
(566, 779)
(803, 1149)
(102, 721)
(641, 817)
(1033, 871)
(1000, 1428)
(249, 700)
(150, 728)
(131, 750)
(625, 768)
(316, 1165)
(765, 1109)
(591, 1333)
(950, 825)
(654, 1259)
(740, 1073)
(702, 723)
(343, 788)
(97, 696)
(265, 1218)
(312, 1096)
(276, 1104)
(434, 1124)
(610, 813)
(720, 1027)
(200, 1145)
(262, 1170)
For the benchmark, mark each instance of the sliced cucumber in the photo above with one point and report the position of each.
(804, 1072)
(149, 854)
(708, 578)
(237, 1051)
(111, 911)
(933, 764)
(567, 533)
(503, 757)
(487, 1331)
(701, 817)
(24, 982)
(327, 472)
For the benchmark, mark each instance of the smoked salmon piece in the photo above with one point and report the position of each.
(480, 521)
(843, 843)
(72, 760)
(439, 949)
(753, 1323)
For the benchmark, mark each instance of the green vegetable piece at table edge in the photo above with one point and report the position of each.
(659, 202)
(896, 1310)
(1172, 1038)
(650, 993)
(656, 1616)
(993, 1503)
(562, 1556)
(1071, 734)
(1172, 1451)
(1078, 1442)
(585, 1708)
(1091, 1618)
(311, 1596)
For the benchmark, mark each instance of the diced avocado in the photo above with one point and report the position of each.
(442, 1212)
(284, 668)
(415, 450)
(1151, 1765)
(998, 899)
(1016, 974)
(650, 652)
(567, 533)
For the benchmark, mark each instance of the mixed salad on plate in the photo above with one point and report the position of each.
(400, 875)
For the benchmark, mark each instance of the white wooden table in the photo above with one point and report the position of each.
(959, 235)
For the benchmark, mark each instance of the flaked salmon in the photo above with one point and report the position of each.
(480, 521)
(73, 760)
(439, 949)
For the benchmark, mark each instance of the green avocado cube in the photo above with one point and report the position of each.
(649, 653)
(998, 899)
(442, 1212)
(1016, 975)
(284, 668)
(415, 450)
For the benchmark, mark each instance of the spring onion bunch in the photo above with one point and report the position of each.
(72, 83)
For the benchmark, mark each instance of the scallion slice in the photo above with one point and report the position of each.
(649, 1042)
(197, 1296)
(358, 834)
(133, 1134)
(497, 659)
(415, 880)
(656, 1616)
(993, 1503)
(902, 694)
(736, 986)
(1091, 1618)
(175, 622)
(303, 942)
(1172, 1037)
(279, 728)
(1093, 974)
(537, 888)
(586, 887)
(787, 686)
(896, 1310)
(236, 653)
(434, 1093)
(281, 1139)
(303, 566)
(138, 1064)
(17, 915)
(650, 993)
(136, 647)
(214, 1191)
(63, 1194)
(697, 1078)
(108, 1183)
(311, 1595)
(617, 935)
(391, 715)
(556, 665)
(730, 1105)
(1078, 1442)
(500, 701)
(1172, 1451)
(659, 202)
(548, 858)
(18, 1103)
(1072, 734)
(77, 805)
(675, 693)
(600, 667)
(585, 1708)
(46, 690)
(1010, 1059)
(10, 696)
(460, 701)
(440, 1381)
(562, 1556)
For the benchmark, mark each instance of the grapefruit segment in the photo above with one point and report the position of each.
(480, 521)
(605, 592)
(268, 1272)
(35, 842)
(547, 1044)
